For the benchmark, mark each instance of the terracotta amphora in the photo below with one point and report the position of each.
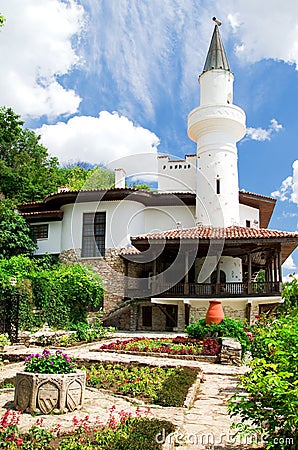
(215, 313)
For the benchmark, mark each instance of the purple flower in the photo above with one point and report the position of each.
(51, 362)
(46, 353)
(58, 352)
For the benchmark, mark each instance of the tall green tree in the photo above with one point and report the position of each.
(77, 177)
(2, 20)
(15, 236)
(27, 171)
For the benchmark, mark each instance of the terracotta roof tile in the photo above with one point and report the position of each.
(130, 251)
(234, 232)
(38, 213)
(256, 195)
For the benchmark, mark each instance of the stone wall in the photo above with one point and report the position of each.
(233, 310)
(111, 269)
(231, 351)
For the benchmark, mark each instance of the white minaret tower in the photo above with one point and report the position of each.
(216, 125)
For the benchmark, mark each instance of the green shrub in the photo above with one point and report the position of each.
(90, 333)
(61, 293)
(290, 295)
(270, 404)
(226, 328)
(4, 340)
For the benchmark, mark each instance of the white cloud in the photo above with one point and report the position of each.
(289, 187)
(289, 264)
(294, 194)
(149, 49)
(265, 29)
(289, 277)
(110, 139)
(260, 134)
(36, 48)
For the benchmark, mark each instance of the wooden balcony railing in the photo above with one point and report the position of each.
(205, 290)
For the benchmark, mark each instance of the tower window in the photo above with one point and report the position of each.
(248, 224)
(218, 185)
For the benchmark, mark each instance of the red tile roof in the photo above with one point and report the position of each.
(256, 195)
(57, 212)
(130, 251)
(234, 232)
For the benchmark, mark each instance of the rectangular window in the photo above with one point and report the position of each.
(248, 223)
(217, 185)
(40, 231)
(147, 316)
(94, 233)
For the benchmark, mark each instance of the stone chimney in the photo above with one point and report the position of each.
(120, 178)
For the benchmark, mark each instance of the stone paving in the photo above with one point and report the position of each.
(205, 425)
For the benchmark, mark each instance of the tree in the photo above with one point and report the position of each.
(28, 173)
(62, 293)
(268, 407)
(290, 294)
(2, 20)
(15, 236)
(100, 178)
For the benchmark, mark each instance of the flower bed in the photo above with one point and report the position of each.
(181, 346)
(123, 430)
(163, 386)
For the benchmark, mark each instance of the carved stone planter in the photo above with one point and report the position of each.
(49, 393)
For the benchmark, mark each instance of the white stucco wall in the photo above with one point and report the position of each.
(177, 176)
(168, 218)
(251, 214)
(123, 218)
(232, 267)
(216, 87)
(53, 243)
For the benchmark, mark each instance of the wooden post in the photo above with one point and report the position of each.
(279, 270)
(217, 287)
(249, 274)
(275, 267)
(154, 270)
(125, 278)
(186, 278)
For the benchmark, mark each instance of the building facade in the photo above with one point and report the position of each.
(163, 255)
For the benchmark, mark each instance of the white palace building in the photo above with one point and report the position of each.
(212, 240)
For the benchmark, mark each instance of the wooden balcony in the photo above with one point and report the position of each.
(206, 290)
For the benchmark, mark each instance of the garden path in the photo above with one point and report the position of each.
(206, 425)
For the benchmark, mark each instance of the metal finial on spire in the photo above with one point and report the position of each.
(216, 57)
(218, 22)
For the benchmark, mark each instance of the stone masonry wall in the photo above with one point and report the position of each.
(230, 311)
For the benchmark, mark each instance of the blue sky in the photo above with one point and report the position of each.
(104, 79)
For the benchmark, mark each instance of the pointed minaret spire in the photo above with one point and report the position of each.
(216, 57)
(216, 125)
